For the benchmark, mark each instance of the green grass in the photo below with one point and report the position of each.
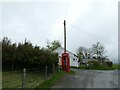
(14, 79)
(11, 80)
(100, 67)
(116, 66)
(33, 79)
(75, 67)
(0, 80)
(54, 79)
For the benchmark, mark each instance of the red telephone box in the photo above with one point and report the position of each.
(66, 62)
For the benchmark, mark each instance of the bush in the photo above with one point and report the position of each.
(25, 55)
(97, 65)
(94, 64)
(109, 64)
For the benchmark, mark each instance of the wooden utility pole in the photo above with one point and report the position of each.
(64, 36)
(65, 56)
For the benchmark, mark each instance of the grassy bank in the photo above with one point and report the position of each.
(14, 79)
(0, 80)
(99, 67)
(32, 80)
(116, 66)
(54, 79)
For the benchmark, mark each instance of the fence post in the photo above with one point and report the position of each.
(58, 67)
(46, 70)
(23, 78)
(53, 68)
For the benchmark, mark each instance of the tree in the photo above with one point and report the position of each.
(25, 55)
(84, 53)
(8, 52)
(98, 49)
(80, 53)
(89, 53)
(53, 45)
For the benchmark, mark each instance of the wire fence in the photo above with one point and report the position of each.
(27, 78)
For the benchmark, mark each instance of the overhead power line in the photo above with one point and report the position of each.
(93, 35)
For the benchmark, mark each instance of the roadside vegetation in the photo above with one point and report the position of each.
(51, 81)
(14, 79)
(116, 66)
(16, 56)
(54, 79)
(34, 79)
(98, 66)
(94, 58)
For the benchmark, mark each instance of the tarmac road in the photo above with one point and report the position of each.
(89, 79)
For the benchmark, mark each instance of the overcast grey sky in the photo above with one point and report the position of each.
(88, 21)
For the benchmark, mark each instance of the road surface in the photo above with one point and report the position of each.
(89, 79)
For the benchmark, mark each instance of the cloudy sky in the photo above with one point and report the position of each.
(88, 21)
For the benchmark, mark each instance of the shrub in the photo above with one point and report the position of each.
(94, 64)
(97, 65)
(25, 55)
(109, 64)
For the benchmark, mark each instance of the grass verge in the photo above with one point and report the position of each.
(14, 79)
(100, 67)
(54, 79)
(116, 66)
